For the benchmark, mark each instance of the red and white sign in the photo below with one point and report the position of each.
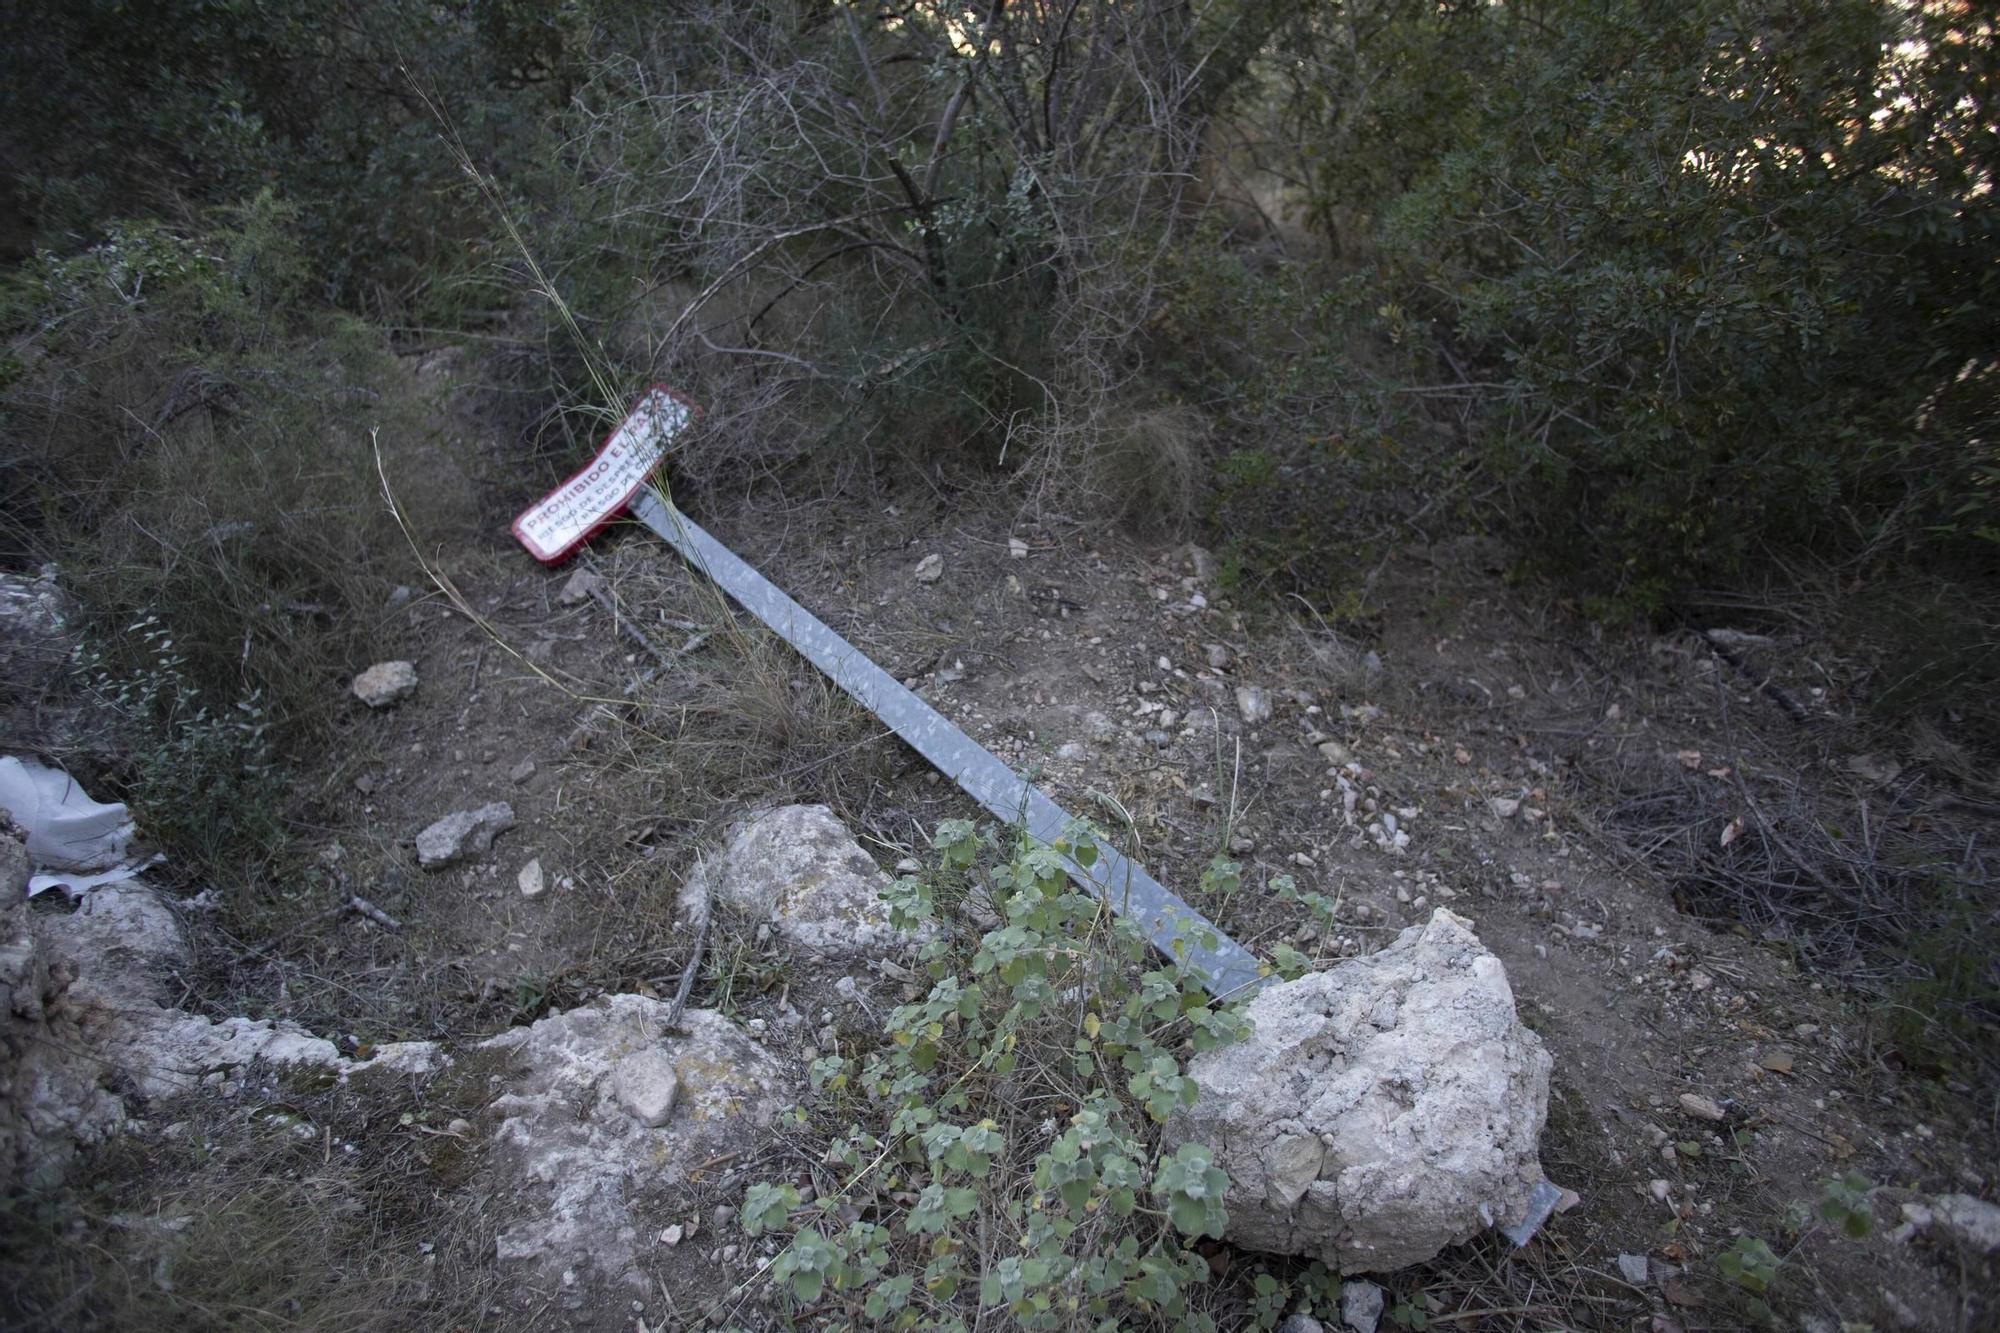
(568, 516)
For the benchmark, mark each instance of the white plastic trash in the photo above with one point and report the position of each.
(66, 829)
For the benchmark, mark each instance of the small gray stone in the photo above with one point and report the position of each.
(1254, 703)
(646, 1084)
(521, 772)
(386, 683)
(581, 587)
(1301, 1323)
(463, 832)
(1504, 807)
(930, 569)
(1632, 1267)
(1360, 1306)
(533, 883)
(1218, 655)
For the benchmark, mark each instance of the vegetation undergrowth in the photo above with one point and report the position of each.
(1001, 1151)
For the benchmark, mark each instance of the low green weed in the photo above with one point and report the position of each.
(202, 771)
(1002, 1149)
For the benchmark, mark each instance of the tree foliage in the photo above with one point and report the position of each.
(1723, 272)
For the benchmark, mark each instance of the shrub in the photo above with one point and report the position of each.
(118, 110)
(1722, 274)
(866, 236)
(1002, 1141)
(192, 448)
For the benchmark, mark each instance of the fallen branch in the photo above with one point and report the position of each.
(1723, 644)
(353, 903)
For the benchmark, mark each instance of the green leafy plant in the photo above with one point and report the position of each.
(203, 775)
(1750, 1264)
(978, 1195)
(1843, 1203)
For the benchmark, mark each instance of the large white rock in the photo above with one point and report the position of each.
(86, 1031)
(574, 1140)
(1969, 1220)
(799, 868)
(1380, 1111)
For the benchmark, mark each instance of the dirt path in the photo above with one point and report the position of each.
(1703, 1085)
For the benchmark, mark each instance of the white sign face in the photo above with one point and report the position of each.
(567, 516)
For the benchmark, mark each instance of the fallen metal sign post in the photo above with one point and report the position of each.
(581, 505)
(615, 479)
(1176, 929)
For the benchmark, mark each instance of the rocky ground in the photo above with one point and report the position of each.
(487, 1080)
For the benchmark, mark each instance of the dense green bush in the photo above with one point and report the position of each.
(866, 234)
(142, 108)
(190, 442)
(1723, 273)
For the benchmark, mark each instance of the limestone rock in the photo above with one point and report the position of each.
(461, 833)
(85, 1029)
(646, 1085)
(1360, 1306)
(570, 1145)
(1972, 1222)
(799, 868)
(386, 683)
(580, 587)
(1254, 703)
(531, 880)
(1379, 1111)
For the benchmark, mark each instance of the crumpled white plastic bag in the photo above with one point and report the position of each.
(67, 832)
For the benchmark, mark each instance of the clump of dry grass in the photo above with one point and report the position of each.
(243, 1217)
(1149, 466)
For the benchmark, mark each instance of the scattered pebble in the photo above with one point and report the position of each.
(521, 772)
(1360, 1306)
(1254, 703)
(580, 587)
(1701, 1108)
(531, 880)
(386, 683)
(1016, 549)
(931, 568)
(463, 832)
